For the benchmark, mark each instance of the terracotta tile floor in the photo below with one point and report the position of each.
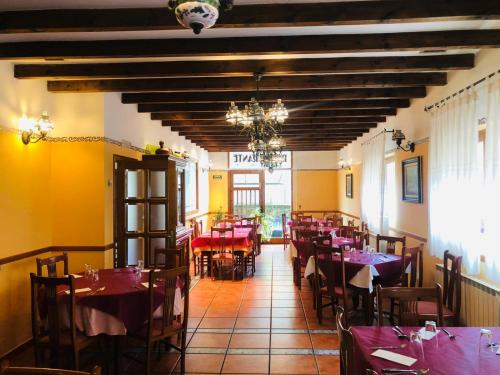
(261, 325)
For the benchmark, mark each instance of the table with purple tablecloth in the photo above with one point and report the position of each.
(441, 355)
(120, 308)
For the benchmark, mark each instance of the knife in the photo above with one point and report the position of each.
(401, 332)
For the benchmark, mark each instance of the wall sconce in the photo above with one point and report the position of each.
(35, 131)
(343, 165)
(399, 137)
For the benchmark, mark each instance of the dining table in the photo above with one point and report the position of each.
(441, 355)
(241, 240)
(116, 303)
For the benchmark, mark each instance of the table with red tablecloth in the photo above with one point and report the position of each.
(441, 355)
(120, 308)
(242, 240)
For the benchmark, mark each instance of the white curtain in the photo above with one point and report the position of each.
(491, 198)
(373, 183)
(454, 180)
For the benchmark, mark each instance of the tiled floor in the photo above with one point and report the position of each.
(261, 325)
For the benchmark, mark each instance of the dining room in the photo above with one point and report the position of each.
(249, 187)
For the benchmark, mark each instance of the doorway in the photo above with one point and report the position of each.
(246, 192)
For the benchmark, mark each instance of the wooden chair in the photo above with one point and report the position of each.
(333, 288)
(232, 217)
(8, 370)
(308, 218)
(160, 327)
(347, 231)
(351, 223)
(170, 258)
(249, 220)
(391, 242)
(228, 223)
(283, 229)
(359, 238)
(222, 250)
(364, 228)
(249, 257)
(47, 304)
(414, 255)
(408, 300)
(335, 222)
(452, 293)
(346, 344)
(51, 264)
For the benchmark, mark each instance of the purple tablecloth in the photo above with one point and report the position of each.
(442, 356)
(120, 298)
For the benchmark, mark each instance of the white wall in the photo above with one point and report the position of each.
(72, 114)
(123, 122)
(414, 121)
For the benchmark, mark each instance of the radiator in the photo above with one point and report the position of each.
(480, 301)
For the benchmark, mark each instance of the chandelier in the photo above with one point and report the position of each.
(262, 127)
(199, 14)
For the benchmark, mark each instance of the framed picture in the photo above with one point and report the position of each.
(348, 185)
(412, 180)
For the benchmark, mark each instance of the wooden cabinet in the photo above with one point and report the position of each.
(149, 207)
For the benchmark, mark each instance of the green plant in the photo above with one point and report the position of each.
(219, 215)
(265, 222)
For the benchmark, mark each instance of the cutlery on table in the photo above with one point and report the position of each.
(450, 335)
(97, 290)
(400, 333)
(402, 346)
(421, 371)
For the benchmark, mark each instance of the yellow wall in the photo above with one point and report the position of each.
(219, 191)
(352, 205)
(314, 190)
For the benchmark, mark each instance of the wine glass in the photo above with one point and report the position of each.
(416, 343)
(140, 265)
(485, 340)
(88, 270)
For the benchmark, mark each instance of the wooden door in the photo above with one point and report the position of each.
(141, 210)
(246, 192)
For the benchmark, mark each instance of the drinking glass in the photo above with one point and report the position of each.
(430, 326)
(94, 276)
(485, 340)
(88, 271)
(140, 264)
(137, 276)
(416, 343)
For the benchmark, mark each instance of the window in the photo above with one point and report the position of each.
(191, 186)
(390, 197)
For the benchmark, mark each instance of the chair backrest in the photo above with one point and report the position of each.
(51, 264)
(358, 237)
(283, 223)
(310, 225)
(335, 275)
(364, 228)
(253, 232)
(248, 220)
(452, 281)
(169, 258)
(306, 234)
(347, 231)
(196, 226)
(293, 231)
(408, 302)
(163, 283)
(7, 370)
(221, 239)
(323, 240)
(414, 255)
(232, 217)
(232, 222)
(350, 223)
(390, 243)
(302, 217)
(346, 344)
(47, 303)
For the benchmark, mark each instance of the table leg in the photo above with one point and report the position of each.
(367, 306)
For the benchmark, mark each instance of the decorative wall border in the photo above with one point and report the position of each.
(43, 250)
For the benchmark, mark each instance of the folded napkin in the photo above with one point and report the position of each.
(82, 290)
(146, 285)
(427, 335)
(147, 270)
(394, 357)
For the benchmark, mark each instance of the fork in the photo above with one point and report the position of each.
(451, 336)
(421, 371)
(402, 346)
(97, 290)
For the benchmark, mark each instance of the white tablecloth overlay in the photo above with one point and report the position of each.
(94, 322)
(362, 279)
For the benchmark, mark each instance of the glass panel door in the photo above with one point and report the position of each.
(246, 192)
(278, 199)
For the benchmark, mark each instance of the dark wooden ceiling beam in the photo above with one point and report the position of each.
(290, 121)
(283, 133)
(295, 106)
(240, 68)
(286, 128)
(262, 15)
(294, 114)
(270, 96)
(270, 45)
(215, 84)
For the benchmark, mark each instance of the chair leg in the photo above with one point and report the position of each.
(148, 359)
(76, 359)
(183, 353)
(319, 308)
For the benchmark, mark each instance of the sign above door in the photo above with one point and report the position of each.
(247, 160)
